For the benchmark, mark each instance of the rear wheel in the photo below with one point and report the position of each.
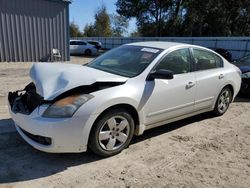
(223, 101)
(88, 52)
(112, 133)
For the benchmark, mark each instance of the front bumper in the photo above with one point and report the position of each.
(54, 135)
(49, 134)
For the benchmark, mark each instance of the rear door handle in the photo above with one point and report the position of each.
(189, 85)
(221, 76)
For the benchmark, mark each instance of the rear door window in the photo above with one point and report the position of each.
(81, 43)
(205, 60)
(72, 42)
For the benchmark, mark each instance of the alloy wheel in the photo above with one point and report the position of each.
(114, 133)
(224, 101)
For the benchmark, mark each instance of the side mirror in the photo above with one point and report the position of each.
(160, 74)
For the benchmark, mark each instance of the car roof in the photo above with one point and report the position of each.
(162, 45)
(78, 41)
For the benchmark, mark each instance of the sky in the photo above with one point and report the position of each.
(83, 11)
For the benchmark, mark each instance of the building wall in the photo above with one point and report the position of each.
(30, 29)
(238, 46)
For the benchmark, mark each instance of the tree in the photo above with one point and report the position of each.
(119, 25)
(89, 30)
(102, 23)
(74, 30)
(135, 34)
(188, 17)
(217, 18)
(150, 14)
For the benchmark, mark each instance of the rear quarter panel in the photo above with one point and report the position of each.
(233, 77)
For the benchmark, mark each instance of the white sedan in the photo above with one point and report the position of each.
(82, 47)
(132, 88)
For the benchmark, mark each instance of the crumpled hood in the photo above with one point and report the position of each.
(53, 79)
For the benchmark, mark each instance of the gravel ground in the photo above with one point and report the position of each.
(202, 151)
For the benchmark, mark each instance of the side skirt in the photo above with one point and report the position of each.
(157, 124)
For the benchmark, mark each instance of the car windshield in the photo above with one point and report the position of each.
(127, 60)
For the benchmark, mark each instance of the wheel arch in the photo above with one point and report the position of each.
(230, 86)
(87, 49)
(128, 107)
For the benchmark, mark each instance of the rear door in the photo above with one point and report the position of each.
(209, 77)
(81, 47)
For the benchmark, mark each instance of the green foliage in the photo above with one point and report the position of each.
(74, 30)
(119, 25)
(106, 25)
(135, 34)
(102, 23)
(89, 30)
(188, 17)
(217, 18)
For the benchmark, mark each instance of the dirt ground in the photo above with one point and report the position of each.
(202, 151)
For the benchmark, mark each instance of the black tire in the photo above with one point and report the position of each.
(88, 52)
(98, 146)
(218, 109)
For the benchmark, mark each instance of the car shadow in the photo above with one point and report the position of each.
(20, 162)
(6, 125)
(171, 127)
(242, 98)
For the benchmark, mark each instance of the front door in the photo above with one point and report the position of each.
(175, 97)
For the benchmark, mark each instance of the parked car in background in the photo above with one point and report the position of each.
(82, 47)
(225, 53)
(97, 44)
(127, 90)
(244, 65)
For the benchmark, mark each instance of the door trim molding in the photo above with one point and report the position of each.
(170, 109)
(204, 100)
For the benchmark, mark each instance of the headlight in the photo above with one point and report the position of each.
(246, 75)
(66, 107)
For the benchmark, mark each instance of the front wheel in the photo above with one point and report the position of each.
(112, 133)
(223, 101)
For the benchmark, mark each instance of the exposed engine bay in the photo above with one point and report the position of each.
(27, 100)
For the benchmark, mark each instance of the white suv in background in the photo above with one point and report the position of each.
(82, 47)
(97, 44)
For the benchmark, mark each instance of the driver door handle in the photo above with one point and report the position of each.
(190, 84)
